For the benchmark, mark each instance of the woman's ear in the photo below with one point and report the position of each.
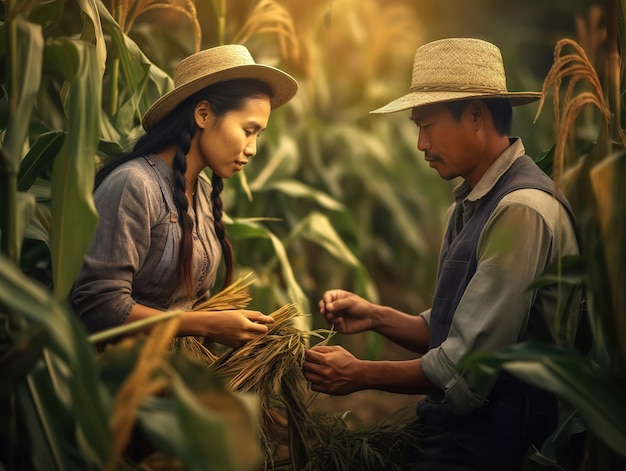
(203, 114)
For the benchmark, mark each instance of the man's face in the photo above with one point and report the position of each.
(450, 146)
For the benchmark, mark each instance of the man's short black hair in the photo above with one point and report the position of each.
(500, 109)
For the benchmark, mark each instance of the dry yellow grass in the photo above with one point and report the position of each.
(234, 296)
(142, 382)
(127, 11)
(270, 366)
(269, 16)
(577, 68)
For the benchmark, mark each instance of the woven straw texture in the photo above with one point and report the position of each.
(215, 65)
(456, 69)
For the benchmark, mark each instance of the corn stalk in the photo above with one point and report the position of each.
(220, 8)
(24, 48)
(125, 13)
(8, 172)
(592, 381)
(613, 70)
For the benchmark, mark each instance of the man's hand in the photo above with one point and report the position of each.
(348, 312)
(332, 370)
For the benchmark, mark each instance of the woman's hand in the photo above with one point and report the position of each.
(235, 327)
(348, 312)
(332, 370)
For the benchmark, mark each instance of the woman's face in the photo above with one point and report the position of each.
(226, 143)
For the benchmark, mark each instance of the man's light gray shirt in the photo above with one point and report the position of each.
(528, 230)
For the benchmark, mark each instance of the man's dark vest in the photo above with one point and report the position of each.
(457, 264)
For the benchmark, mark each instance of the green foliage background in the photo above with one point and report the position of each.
(335, 197)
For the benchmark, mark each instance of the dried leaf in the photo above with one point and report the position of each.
(142, 382)
(129, 10)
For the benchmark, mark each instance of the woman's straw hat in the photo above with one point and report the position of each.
(457, 69)
(214, 65)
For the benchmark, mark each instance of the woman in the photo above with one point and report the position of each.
(160, 237)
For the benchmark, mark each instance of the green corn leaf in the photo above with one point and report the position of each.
(27, 80)
(317, 228)
(39, 157)
(25, 299)
(566, 373)
(240, 229)
(73, 212)
(296, 189)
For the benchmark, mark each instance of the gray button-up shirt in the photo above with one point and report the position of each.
(134, 253)
(528, 230)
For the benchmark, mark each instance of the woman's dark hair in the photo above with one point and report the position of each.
(500, 109)
(177, 129)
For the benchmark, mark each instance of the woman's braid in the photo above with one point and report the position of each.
(177, 129)
(220, 229)
(182, 205)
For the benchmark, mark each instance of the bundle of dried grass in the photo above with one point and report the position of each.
(235, 296)
(270, 366)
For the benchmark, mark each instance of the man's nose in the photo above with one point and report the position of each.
(423, 143)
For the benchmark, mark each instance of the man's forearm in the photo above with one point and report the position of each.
(403, 377)
(408, 331)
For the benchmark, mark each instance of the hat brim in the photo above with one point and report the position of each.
(283, 87)
(417, 99)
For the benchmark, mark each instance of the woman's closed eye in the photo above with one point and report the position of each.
(250, 132)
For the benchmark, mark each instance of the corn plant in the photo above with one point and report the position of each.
(60, 403)
(343, 190)
(306, 216)
(590, 382)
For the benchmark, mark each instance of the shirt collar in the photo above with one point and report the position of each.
(493, 173)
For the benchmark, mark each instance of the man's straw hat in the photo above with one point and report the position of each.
(457, 69)
(214, 65)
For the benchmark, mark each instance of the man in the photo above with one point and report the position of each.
(503, 230)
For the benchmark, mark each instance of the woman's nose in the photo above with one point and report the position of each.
(250, 149)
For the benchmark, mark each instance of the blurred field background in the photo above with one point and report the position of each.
(335, 198)
(385, 204)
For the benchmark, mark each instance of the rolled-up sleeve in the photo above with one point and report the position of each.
(102, 295)
(494, 310)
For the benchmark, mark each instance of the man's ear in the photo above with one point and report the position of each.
(478, 111)
(203, 114)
